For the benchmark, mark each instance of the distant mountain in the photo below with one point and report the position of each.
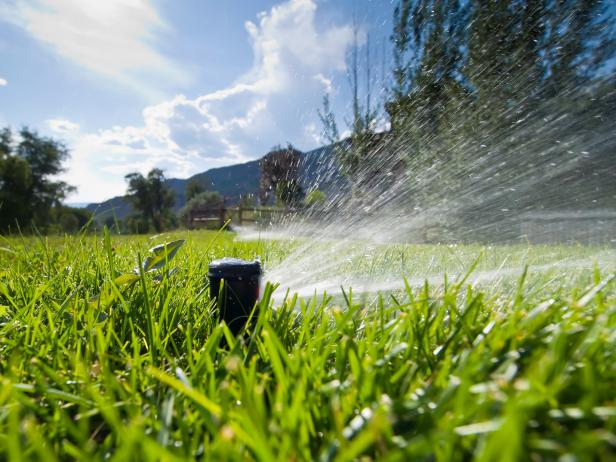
(318, 169)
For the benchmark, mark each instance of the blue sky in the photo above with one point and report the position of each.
(181, 85)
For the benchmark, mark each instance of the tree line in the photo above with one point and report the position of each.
(508, 104)
(30, 194)
(279, 185)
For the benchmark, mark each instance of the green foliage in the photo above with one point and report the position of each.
(134, 225)
(28, 192)
(208, 200)
(479, 88)
(152, 198)
(491, 56)
(289, 192)
(451, 372)
(69, 220)
(160, 257)
(401, 38)
(248, 200)
(280, 176)
(194, 188)
(328, 119)
(315, 198)
(354, 155)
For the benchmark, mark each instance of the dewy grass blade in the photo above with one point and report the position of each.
(152, 346)
(187, 391)
(595, 290)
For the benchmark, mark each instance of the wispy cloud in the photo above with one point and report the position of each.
(113, 38)
(274, 102)
(3, 82)
(62, 126)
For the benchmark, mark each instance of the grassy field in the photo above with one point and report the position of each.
(98, 362)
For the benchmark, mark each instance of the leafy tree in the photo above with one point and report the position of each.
(280, 176)
(69, 219)
(328, 119)
(152, 198)
(6, 140)
(479, 87)
(205, 200)
(401, 39)
(116, 225)
(15, 182)
(521, 52)
(354, 155)
(194, 188)
(137, 225)
(248, 200)
(428, 42)
(289, 192)
(579, 42)
(28, 192)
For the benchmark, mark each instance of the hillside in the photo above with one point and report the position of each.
(317, 170)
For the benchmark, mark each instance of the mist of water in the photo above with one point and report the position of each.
(539, 175)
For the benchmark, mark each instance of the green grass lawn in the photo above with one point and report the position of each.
(96, 365)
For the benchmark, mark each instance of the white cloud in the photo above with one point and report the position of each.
(62, 126)
(327, 83)
(274, 102)
(311, 130)
(113, 38)
(3, 82)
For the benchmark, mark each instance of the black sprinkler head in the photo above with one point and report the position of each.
(240, 290)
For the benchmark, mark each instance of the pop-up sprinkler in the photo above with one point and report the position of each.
(240, 289)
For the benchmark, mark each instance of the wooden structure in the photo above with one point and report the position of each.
(216, 217)
(210, 217)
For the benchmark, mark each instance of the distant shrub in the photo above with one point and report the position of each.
(67, 220)
(315, 198)
(204, 200)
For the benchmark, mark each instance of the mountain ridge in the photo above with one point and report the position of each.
(318, 170)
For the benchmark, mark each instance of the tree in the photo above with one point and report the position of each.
(28, 192)
(194, 188)
(151, 197)
(69, 219)
(289, 192)
(428, 41)
(401, 38)
(15, 182)
(356, 156)
(483, 88)
(280, 176)
(248, 200)
(328, 119)
(579, 43)
(204, 200)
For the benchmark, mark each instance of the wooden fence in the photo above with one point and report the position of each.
(216, 217)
